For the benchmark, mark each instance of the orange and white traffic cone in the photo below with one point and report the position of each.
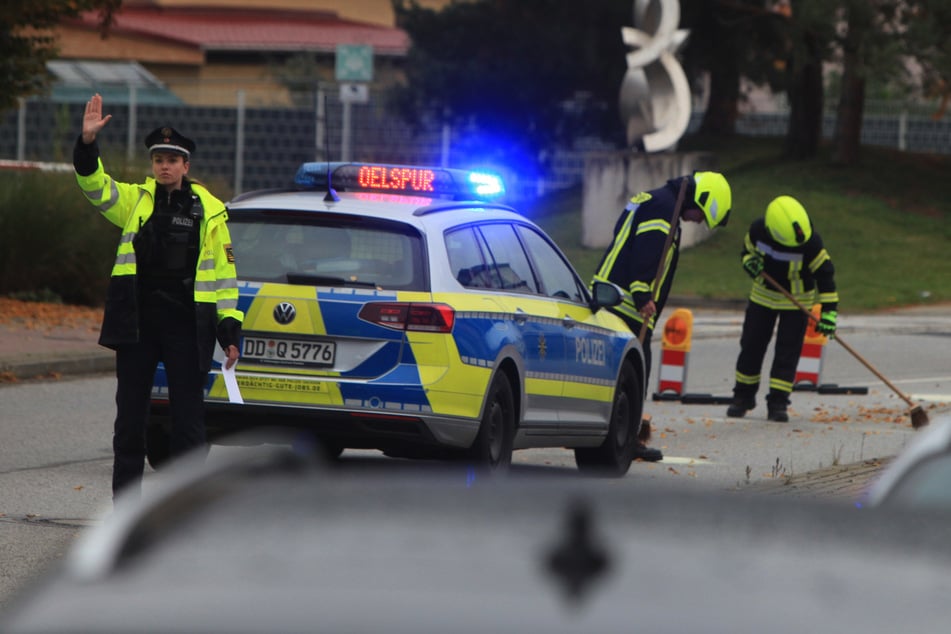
(809, 369)
(675, 347)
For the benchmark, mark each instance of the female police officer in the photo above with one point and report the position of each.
(173, 289)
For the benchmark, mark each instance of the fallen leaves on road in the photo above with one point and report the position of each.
(858, 413)
(43, 316)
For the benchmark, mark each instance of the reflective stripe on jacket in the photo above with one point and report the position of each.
(129, 206)
(806, 271)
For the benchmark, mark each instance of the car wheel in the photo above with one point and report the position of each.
(330, 450)
(158, 444)
(613, 458)
(492, 448)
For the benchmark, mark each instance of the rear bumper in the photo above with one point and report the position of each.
(349, 428)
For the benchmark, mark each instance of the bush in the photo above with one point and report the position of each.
(52, 240)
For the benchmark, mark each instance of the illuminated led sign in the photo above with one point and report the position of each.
(401, 180)
(396, 178)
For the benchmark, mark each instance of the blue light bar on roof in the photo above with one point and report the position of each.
(435, 182)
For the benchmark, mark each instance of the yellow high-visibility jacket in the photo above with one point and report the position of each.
(129, 206)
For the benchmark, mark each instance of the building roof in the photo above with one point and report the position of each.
(253, 29)
(115, 81)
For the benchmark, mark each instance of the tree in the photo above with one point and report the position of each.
(527, 73)
(870, 43)
(928, 24)
(808, 36)
(884, 44)
(720, 45)
(27, 42)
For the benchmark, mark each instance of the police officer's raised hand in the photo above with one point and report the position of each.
(93, 121)
(231, 352)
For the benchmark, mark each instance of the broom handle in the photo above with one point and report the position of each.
(663, 258)
(838, 338)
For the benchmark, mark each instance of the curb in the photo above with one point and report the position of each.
(840, 482)
(37, 365)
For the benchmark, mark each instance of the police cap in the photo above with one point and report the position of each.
(168, 139)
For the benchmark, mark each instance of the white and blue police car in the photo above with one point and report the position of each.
(402, 308)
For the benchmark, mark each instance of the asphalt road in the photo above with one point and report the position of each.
(55, 461)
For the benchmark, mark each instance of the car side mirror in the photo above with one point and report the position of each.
(605, 294)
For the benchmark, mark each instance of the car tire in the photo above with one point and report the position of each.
(329, 450)
(613, 458)
(158, 444)
(492, 449)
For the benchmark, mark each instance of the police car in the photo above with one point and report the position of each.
(403, 309)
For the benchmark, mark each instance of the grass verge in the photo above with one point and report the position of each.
(883, 221)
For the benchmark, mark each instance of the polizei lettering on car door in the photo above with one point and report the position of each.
(590, 351)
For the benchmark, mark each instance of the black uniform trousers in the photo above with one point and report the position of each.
(758, 325)
(168, 333)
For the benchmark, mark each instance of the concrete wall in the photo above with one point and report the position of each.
(611, 178)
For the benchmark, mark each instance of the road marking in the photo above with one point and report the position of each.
(925, 379)
(935, 398)
(689, 461)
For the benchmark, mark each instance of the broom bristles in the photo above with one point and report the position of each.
(919, 418)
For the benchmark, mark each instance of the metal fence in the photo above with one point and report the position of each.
(260, 146)
(911, 127)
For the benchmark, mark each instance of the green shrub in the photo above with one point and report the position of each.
(52, 239)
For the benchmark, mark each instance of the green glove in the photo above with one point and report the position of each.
(753, 264)
(826, 325)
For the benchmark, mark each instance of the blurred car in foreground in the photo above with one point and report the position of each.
(275, 543)
(399, 308)
(920, 476)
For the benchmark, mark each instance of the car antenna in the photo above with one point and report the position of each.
(331, 194)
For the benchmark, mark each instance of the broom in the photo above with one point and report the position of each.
(919, 418)
(674, 223)
(646, 430)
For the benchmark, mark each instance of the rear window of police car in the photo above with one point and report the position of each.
(327, 251)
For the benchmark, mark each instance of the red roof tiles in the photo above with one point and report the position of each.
(254, 29)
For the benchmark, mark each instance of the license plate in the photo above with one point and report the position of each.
(289, 351)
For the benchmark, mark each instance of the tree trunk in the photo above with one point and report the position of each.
(848, 121)
(720, 117)
(805, 94)
(722, 108)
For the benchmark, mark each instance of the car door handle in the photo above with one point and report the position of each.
(568, 322)
(520, 316)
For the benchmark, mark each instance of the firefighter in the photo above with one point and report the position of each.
(173, 290)
(785, 244)
(633, 259)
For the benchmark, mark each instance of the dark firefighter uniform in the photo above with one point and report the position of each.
(640, 234)
(806, 271)
(632, 259)
(172, 293)
(636, 255)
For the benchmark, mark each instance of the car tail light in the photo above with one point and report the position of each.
(410, 316)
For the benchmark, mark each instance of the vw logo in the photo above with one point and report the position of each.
(284, 313)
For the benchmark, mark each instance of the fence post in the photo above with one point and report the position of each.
(320, 128)
(446, 138)
(239, 146)
(133, 123)
(21, 129)
(345, 132)
(902, 129)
